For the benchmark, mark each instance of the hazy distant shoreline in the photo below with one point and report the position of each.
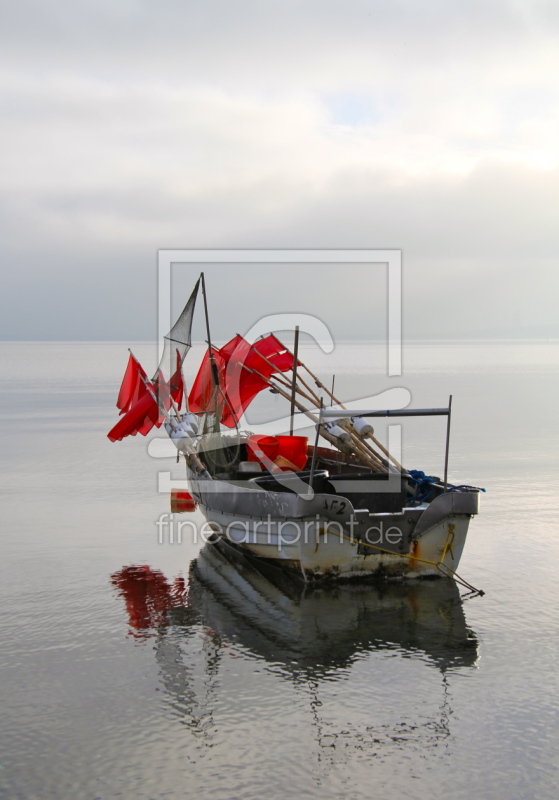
(471, 339)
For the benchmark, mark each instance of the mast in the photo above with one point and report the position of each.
(447, 443)
(213, 365)
(294, 386)
(318, 427)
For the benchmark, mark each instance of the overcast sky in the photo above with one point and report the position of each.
(128, 126)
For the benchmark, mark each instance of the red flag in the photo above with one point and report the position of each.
(132, 387)
(282, 362)
(268, 346)
(176, 383)
(136, 419)
(201, 395)
(239, 401)
(237, 347)
(237, 363)
(176, 386)
(242, 382)
(165, 391)
(173, 388)
(154, 417)
(267, 350)
(161, 392)
(146, 412)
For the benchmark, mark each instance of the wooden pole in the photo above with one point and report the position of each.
(447, 442)
(294, 386)
(354, 435)
(366, 456)
(346, 425)
(213, 365)
(361, 447)
(192, 455)
(386, 453)
(185, 393)
(313, 395)
(322, 386)
(335, 400)
(296, 375)
(316, 398)
(289, 385)
(313, 462)
(287, 396)
(285, 382)
(365, 449)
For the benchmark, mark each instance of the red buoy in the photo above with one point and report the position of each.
(182, 501)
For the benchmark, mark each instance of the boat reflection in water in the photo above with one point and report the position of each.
(310, 636)
(282, 620)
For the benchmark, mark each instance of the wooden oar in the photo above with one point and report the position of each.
(361, 445)
(289, 386)
(386, 453)
(308, 388)
(335, 400)
(316, 400)
(313, 399)
(354, 435)
(375, 465)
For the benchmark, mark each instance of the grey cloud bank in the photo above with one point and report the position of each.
(429, 127)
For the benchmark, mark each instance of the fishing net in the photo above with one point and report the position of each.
(221, 451)
(178, 341)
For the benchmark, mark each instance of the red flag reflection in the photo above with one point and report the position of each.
(148, 596)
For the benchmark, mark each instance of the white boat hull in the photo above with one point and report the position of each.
(315, 539)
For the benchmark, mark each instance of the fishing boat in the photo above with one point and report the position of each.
(343, 511)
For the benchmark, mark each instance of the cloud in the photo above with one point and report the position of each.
(124, 128)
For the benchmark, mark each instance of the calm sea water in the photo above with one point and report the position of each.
(132, 669)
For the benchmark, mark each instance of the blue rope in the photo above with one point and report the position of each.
(424, 488)
(464, 486)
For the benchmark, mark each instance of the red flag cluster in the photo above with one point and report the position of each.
(137, 400)
(243, 371)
